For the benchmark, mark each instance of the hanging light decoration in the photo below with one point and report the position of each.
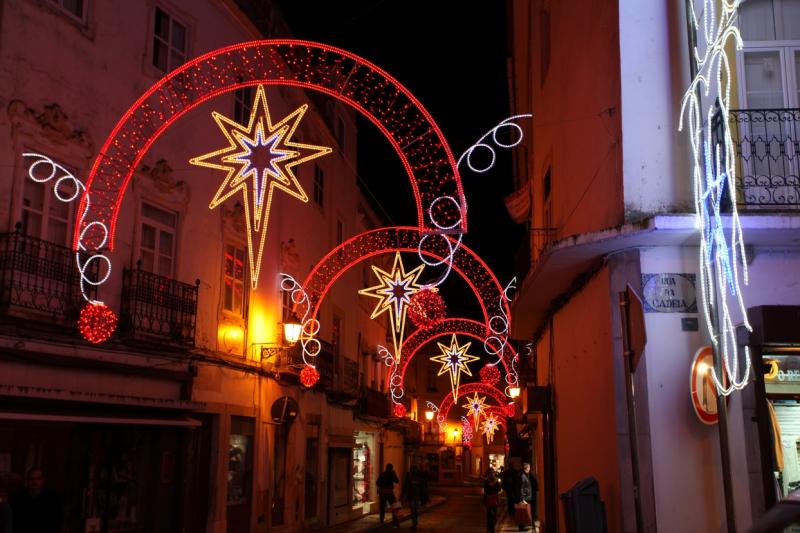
(426, 308)
(97, 322)
(309, 376)
(399, 410)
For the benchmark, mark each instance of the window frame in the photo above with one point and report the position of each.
(58, 5)
(173, 18)
(48, 197)
(243, 97)
(319, 187)
(158, 227)
(240, 314)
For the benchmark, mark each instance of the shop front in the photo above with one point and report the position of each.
(364, 493)
(775, 345)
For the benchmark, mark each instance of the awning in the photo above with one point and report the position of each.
(177, 421)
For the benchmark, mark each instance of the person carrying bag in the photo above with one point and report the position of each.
(491, 499)
(385, 483)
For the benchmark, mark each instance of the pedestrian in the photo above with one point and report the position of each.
(534, 499)
(522, 495)
(491, 499)
(6, 519)
(385, 483)
(36, 508)
(415, 493)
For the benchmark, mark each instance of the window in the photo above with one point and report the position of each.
(233, 278)
(287, 314)
(770, 60)
(319, 186)
(240, 459)
(243, 104)
(76, 9)
(157, 240)
(43, 215)
(169, 42)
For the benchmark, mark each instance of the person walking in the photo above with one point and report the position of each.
(507, 483)
(385, 483)
(533, 501)
(491, 499)
(415, 493)
(523, 495)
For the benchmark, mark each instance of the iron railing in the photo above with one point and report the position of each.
(158, 308)
(39, 276)
(767, 149)
(374, 403)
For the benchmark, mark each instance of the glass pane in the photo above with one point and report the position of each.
(790, 19)
(797, 77)
(164, 266)
(228, 298)
(162, 25)
(757, 20)
(33, 195)
(178, 37)
(763, 80)
(31, 224)
(159, 55)
(74, 6)
(166, 218)
(176, 59)
(165, 243)
(238, 272)
(237, 297)
(148, 237)
(59, 209)
(146, 257)
(57, 232)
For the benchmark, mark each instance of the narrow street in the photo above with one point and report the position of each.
(462, 511)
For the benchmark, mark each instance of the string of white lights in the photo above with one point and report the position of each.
(482, 145)
(309, 325)
(67, 188)
(714, 174)
(396, 390)
(451, 246)
(496, 343)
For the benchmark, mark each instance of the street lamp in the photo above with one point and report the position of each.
(429, 415)
(291, 332)
(514, 392)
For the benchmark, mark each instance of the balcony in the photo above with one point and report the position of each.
(767, 151)
(374, 403)
(158, 308)
(40, 280)
(325, 365)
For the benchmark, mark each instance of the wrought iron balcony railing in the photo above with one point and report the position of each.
(39, 278)
(374, 403)
(158, 308)
(325, 365)
(767, 150)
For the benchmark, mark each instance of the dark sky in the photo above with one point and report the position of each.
(452, 56)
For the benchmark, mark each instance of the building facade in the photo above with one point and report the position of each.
(192, 416)
(609, 183)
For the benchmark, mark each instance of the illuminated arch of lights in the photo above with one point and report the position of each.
(449, 326)
(410, 129)
(443, 409)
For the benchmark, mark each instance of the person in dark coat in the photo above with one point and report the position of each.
(385, 483)
(507, 482)
(491, 499)
(523, 489)
(36, 508)
(415, 493)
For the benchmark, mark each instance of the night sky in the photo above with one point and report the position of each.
(452, 56)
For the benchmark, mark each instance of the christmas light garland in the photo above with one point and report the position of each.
(454, 360)
(714, 175)
(465, 389)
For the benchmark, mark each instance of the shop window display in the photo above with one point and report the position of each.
(362, 472)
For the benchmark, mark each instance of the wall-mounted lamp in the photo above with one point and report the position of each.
(428, 415)
(514, 392)
(291, 332)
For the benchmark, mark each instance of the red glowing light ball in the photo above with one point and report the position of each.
(399, 410)
(426, 308)
(97, 322)
(309, 376)
(490, 375)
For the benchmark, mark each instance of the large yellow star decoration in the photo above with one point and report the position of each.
(476, 407)
(259, 158)
(488, 427)
(394, 292)
(454, 359)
